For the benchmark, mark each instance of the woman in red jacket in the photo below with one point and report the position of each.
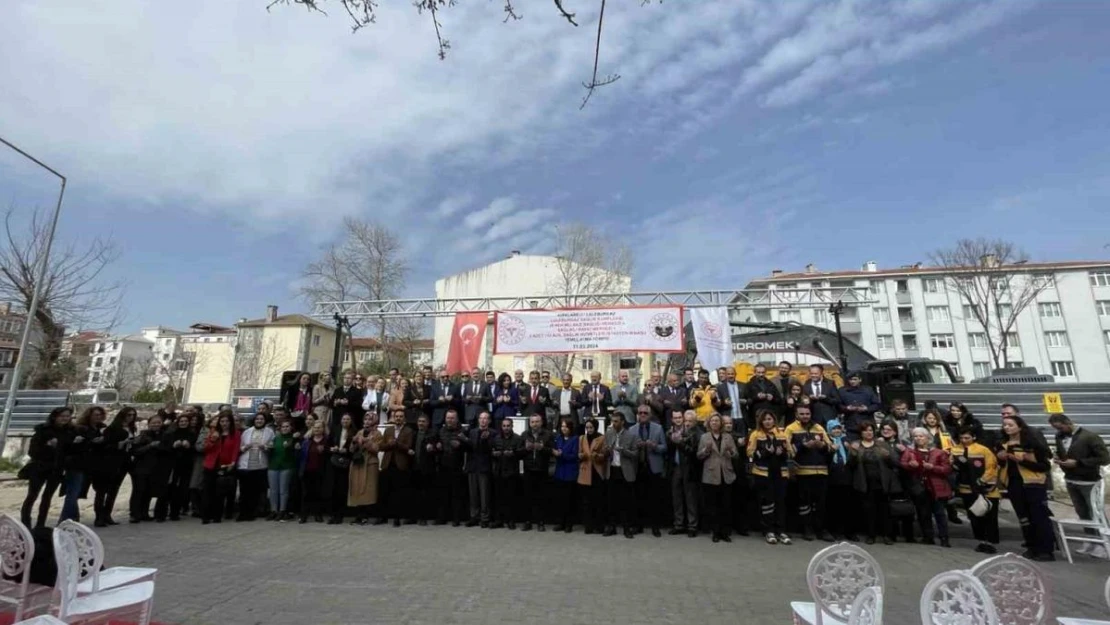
(221, 452)
(928, 469)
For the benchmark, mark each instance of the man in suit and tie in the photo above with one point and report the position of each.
(650, 396)
(623, 456)
(730, 396)
(491, 389)
(823, 398)
(625, 396)
(518, 379)
(534, 398)
(346, 399)
(651, 446)
(444, 397)
(474, 395)
(671, 397)
(689, 380)
(598, 399)
(567, 402)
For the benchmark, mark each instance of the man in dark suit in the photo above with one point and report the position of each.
(444, 397)
(761, 394)
(474, 395)
(784, 380)
(425, 488)
(670, 398)
(823, 398)
(396, 465)
(534, 398)
(451, 449)
(730, 395)
(598, 399)
(346, 399)
(479, 465)
(689, 380)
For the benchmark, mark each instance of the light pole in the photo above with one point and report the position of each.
(40, 276)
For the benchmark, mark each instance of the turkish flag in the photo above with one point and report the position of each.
(466, 341)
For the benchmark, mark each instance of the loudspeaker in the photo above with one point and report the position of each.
(892, 384)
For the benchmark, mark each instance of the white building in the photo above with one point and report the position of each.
(120, 362)
(1065, 332)
(524, 276)
(169, 366)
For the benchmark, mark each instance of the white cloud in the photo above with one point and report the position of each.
(488, 216)
(453, 204)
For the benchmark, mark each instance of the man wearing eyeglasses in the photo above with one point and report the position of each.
(651, 446)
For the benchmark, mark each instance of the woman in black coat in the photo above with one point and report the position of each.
(179, 442)
(44, 472)
(151, 473)
(116, 463)
(339, 466)
(96, 461)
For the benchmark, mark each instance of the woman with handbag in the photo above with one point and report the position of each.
(1023, 473)
(339, 465)
(929, 468)
(874, 478)
(362, 489)
(312, 466)
(221, 453)
(976, 482)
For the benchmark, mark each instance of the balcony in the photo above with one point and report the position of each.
(907, 324)
(902, 297)
(851, 326)
(912, 352)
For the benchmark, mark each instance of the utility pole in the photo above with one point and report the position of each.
(340, 322)
(835, 310)
(40, 276)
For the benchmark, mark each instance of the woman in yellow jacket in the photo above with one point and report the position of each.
(977, 475)
(770, 451)
(1023, 472)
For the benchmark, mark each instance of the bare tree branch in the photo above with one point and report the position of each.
(990, 277)
(564, 13)
(510, 12)
(432, 7)
(594, 82)
(361, 11)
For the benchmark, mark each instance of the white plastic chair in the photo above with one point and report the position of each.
(957, 598)
(836, 576)
(42, 619)
(90, 552)
(1021, 594)
(1087, 621)
(1098, 523)
(17, 549)
(867, 609)
(125, 600)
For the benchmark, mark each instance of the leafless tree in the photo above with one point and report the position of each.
(77, 292)
(406, 332)
(258, 360)
(367, 263)
(589, 265)
(993, 284)
(128, 375)
(363, 13)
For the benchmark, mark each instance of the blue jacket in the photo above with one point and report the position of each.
(859, 395)
(566, 465)
(656, 456)
(500, 411)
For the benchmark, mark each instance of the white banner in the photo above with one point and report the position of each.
(713, 336)
(636, 329)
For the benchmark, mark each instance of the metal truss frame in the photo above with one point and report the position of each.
(739, 299)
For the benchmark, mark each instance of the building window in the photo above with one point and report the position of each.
(180, 365)
(1049, 310)
(909, 341)
(790, 315)
(206, 339)
(98, 362)
(955, 368)
(1056, 339)
(933, 285)
(1044, 281)
(969, 312)
(905, 314)
(821, 316)
(977, 339)
(981, 369)
(165, 357)
(878, 287)
(316, 340)
(937, 313)
(1063, 368)
(943, 341)
(1005, 311)
(1103, 306)
(901, 286)
(1015, 364)
(1012, 340)
(586, 364)
(886, 341)
(6, 358)
(346, 355)
(882, 315)
(94, 377)
(111, 360)
(629, 364)
(1099, 278)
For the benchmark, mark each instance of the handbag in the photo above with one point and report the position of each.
(340, 462)
(900, 507)
(225, 480)
(980, 507)
(358, 458)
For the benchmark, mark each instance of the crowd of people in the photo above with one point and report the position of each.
(773, 455)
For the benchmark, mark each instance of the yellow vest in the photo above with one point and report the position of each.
(984, 467)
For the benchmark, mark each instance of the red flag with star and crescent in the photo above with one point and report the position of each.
(466, 341)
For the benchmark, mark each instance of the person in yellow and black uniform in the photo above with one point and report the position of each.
(810, 445)
(977, 475)
(1023, 472)
(704, 399)
(769, 450)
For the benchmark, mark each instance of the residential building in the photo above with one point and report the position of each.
(208, 352)
(525, 276)
(11, 332)
(168, 367)
(122, 363)
(917, 312)
(415, 353)
(267, 347)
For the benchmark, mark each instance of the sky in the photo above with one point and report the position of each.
(220, 145)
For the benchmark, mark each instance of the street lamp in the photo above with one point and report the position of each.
(40, 276)
(835, 309)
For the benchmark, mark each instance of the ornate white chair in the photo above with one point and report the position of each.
(125, 600)
(957, 598)
(90, 552)
(1087, 621)
(42, 619)
(17, 549)
(836, 576)
(867, 609)
(1021, 594)
(1099, 524)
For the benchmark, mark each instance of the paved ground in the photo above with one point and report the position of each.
(247, 573)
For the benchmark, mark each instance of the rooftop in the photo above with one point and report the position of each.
(870, 270)
(295, 319)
